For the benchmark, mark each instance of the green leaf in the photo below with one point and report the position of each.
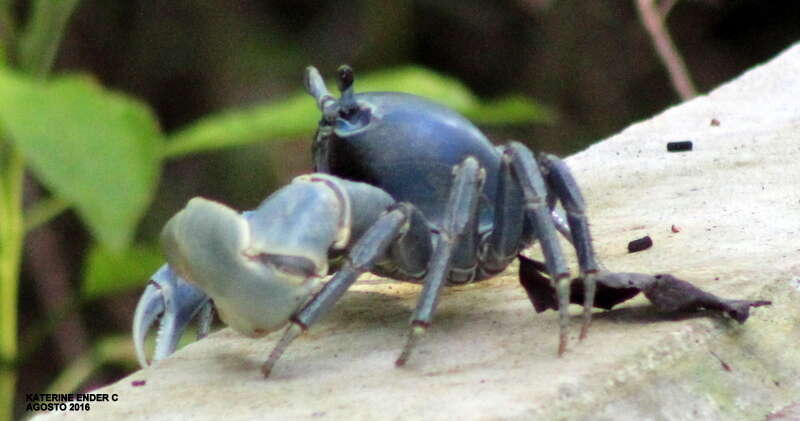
(418, 81)
(297, 115)
(513, 109)
(112, 272)
(97, 150)
(292, 117)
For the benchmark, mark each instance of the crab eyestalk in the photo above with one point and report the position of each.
(347, 102)
(172, 300)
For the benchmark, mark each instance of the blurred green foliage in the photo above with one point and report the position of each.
(95, 149)
(110, 272)
(297, 115)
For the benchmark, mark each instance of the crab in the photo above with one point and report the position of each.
(404, 188)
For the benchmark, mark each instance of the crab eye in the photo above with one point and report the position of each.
(294, 265)
(354, 120)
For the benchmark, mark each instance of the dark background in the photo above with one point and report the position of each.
(591, 62)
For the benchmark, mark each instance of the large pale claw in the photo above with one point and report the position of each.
(175, 302)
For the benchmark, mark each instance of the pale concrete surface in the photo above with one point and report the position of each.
(489, 356)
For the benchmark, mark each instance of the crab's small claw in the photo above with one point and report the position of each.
(175, 302)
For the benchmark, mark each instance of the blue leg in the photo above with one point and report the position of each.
(365, 253)
(509, 219)
(563, 185)
(412, 251)
(460, 216)
(558, 219)
(526, 169)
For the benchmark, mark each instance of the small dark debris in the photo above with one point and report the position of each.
(682, 146)
(137, 383)
(640, 244)
(676, 229)
(714, 122)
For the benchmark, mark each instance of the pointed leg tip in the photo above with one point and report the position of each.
(416, 332)
(585, 329)
(292, 331)
(266, 370)
(562, 345)
(403, 358)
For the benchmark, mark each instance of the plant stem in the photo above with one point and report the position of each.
(11, 236)
(6, 32)
(37, 47)
(39, 42)
(653, 20)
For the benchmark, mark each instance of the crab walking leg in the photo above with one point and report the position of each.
(558, 219)
(534, 191)
(459, 215)
(366, 252)
(561, 182)
(205, 319)
(509, 218)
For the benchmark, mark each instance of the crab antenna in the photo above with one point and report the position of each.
(346, 78)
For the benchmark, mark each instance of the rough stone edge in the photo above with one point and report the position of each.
(689, 372)
(645, 364)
